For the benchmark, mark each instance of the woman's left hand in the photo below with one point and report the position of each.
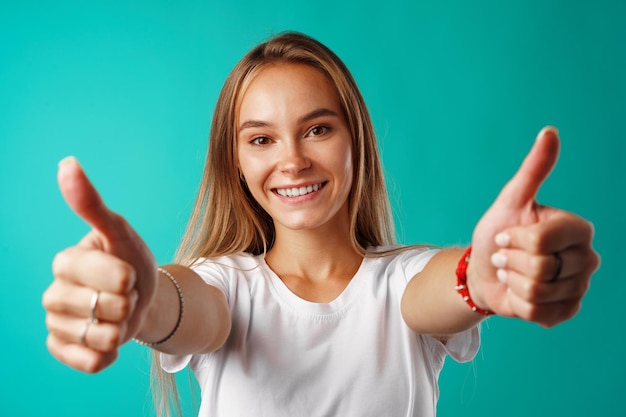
(531, 261)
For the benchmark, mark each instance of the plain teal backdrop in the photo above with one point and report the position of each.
(457, 91)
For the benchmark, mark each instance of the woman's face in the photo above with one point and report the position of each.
(294, 148)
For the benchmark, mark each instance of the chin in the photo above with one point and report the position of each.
(309, 224)
(299, 223)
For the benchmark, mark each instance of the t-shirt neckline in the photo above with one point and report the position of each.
(322, 310)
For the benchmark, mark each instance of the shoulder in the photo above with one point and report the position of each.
(408, 260)
(225, 271)
(237, 261)
(391, 253)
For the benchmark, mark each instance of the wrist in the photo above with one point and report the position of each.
(155, 318)
(465, 274)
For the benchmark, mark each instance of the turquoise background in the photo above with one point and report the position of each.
(457, 91)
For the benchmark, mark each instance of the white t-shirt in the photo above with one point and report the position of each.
(354, 356)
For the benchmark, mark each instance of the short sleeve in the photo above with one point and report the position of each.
(212, 273)
(462, 347)
(174, 363)
(413, 261)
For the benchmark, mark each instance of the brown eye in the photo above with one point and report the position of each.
(260, 140)
(319, 130)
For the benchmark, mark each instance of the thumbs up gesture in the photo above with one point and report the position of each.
(102, 287)
(531, 261)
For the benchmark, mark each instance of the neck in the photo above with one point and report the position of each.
(314, 255)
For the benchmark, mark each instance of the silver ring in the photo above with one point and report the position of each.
(559, 267)
(83, 334)
(93, 305)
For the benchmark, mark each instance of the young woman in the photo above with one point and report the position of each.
(289, 296)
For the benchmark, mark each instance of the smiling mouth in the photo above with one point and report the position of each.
(299, 191)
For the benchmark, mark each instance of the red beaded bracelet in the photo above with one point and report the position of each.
(461, 284)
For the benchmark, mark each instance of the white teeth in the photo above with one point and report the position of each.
(297, 192)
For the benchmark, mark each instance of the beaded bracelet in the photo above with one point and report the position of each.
(461, 284)
(181, 302)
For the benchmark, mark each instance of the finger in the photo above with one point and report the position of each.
(523, 187)
(539, 292)
(66, 298)
(84, 200)
(100, 336)
(555, 233)
(545, 268)
(548, 314)
(79, 357)
(95, 269)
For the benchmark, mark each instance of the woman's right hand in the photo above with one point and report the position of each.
(111, 260)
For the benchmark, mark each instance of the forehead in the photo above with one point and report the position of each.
(287, 87)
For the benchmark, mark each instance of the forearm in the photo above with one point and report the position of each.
(205, 322)
(431, 305)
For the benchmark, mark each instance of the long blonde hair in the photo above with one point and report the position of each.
(226, 219)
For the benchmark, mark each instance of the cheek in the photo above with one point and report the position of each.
(347, 165)
(253, 171)
(255, 187)
(248, 166)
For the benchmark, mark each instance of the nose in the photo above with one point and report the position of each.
(293, 158)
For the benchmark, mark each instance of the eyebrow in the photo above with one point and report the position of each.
(307, 117)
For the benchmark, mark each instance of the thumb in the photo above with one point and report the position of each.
(84, 200)
(524, 185)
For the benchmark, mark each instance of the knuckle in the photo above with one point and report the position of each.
(121, 223)
(589, 265)
(118, 219)
(535, 239)
(58, 262)
(522, 310)
(582, 287)
(534, 314)
(532, 290)
(50, 345)
(93, 365)
(120, 308)
(49, 323)
(47, 299)
(536, 265)
(594, 262)
(124, 277)
(575, 309)
(110, 339)
(53, 300)
(589, 229)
